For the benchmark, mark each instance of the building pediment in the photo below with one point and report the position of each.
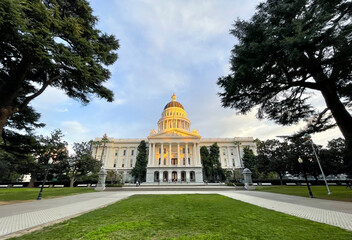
(174, 132)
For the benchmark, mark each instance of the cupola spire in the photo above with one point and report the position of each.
(173, 97)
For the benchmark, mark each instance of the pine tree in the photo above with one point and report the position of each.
(140, 169)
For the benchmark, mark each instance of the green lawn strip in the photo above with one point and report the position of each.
(339, 193)
(19, 194)
(193, 216)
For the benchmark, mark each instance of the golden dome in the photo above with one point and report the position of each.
(173, 103)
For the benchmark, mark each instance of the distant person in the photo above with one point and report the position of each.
(348, 185)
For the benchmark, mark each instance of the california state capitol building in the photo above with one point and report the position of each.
(173, 150)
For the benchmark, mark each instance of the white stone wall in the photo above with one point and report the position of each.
(115, 159)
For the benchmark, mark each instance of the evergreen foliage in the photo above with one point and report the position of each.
(218, 173)
(140, 169)
(50, 43)
(285, 52)
(82, 162)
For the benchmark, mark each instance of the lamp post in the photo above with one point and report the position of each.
(307, 137)
(46, 174)
(300, 161)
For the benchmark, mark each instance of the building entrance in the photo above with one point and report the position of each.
(174, 176)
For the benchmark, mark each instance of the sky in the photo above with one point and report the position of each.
(166, 47)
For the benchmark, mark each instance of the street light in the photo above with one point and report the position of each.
(46, 174)
(300, 160)
(307, 137)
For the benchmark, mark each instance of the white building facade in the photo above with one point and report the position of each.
(173, 150)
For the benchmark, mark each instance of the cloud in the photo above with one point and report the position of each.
(72, 128)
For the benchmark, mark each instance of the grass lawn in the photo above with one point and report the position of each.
(193, 216)
(19, 194)
(339, 193)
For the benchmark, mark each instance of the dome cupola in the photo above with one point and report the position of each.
(173, 103)
(174, 116)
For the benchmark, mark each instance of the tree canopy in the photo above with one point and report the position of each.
(140, 169)
(287, 51)
(51, 43)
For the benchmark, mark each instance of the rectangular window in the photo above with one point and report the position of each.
(123, 165)
(132, 152)
(231, 153)
(189, 161)
(116, 154)
(183, 150)
(188, 150)
(159, 150)
(124, 152)
(114, 164)
(164, 161)
(223, 153)
(184, 161)
(159, 161)
(164, 150)
(131, 162)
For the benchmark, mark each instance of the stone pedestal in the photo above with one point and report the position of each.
(247, 175)
(101, 182)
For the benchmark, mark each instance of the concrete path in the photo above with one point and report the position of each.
(18, 218)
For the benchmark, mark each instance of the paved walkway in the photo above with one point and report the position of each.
(23, 216)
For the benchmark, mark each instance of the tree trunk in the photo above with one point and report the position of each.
(32, 181)
(5, 113)
(280, 176)
(72, 181)
(343, 120)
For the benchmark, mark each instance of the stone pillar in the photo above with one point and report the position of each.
(117, 158)
(194, 154)
(161, 177)
(188, 179)
(247, 175)
(178, 154)
(169, 154)
(101, 181)
(178, 176)
(153, 157)
(198, 155)
(150, 154)
(187, 155)
(169, 176)
(228, 157)
(162, 154)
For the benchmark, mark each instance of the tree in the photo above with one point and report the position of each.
(273, 157)
(53, 147)
(82, 162)
(51, 43)
(249, 159)
(214, 157)
(288, 50)
(207, 166)
(140, 169)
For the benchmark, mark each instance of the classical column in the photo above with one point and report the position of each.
(161, 177)
(228, 157)
(153, 161)
(198, 153)
(194, 154)
(188, 179)
(169, 154)
(178, 176)
(187, 154)
(162, 155)
(117, 158)
(178, 154)
(169, 176)
(150, 154)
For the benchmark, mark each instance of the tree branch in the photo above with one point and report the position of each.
(40, 91)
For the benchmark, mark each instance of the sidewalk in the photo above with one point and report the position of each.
(22, 216)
